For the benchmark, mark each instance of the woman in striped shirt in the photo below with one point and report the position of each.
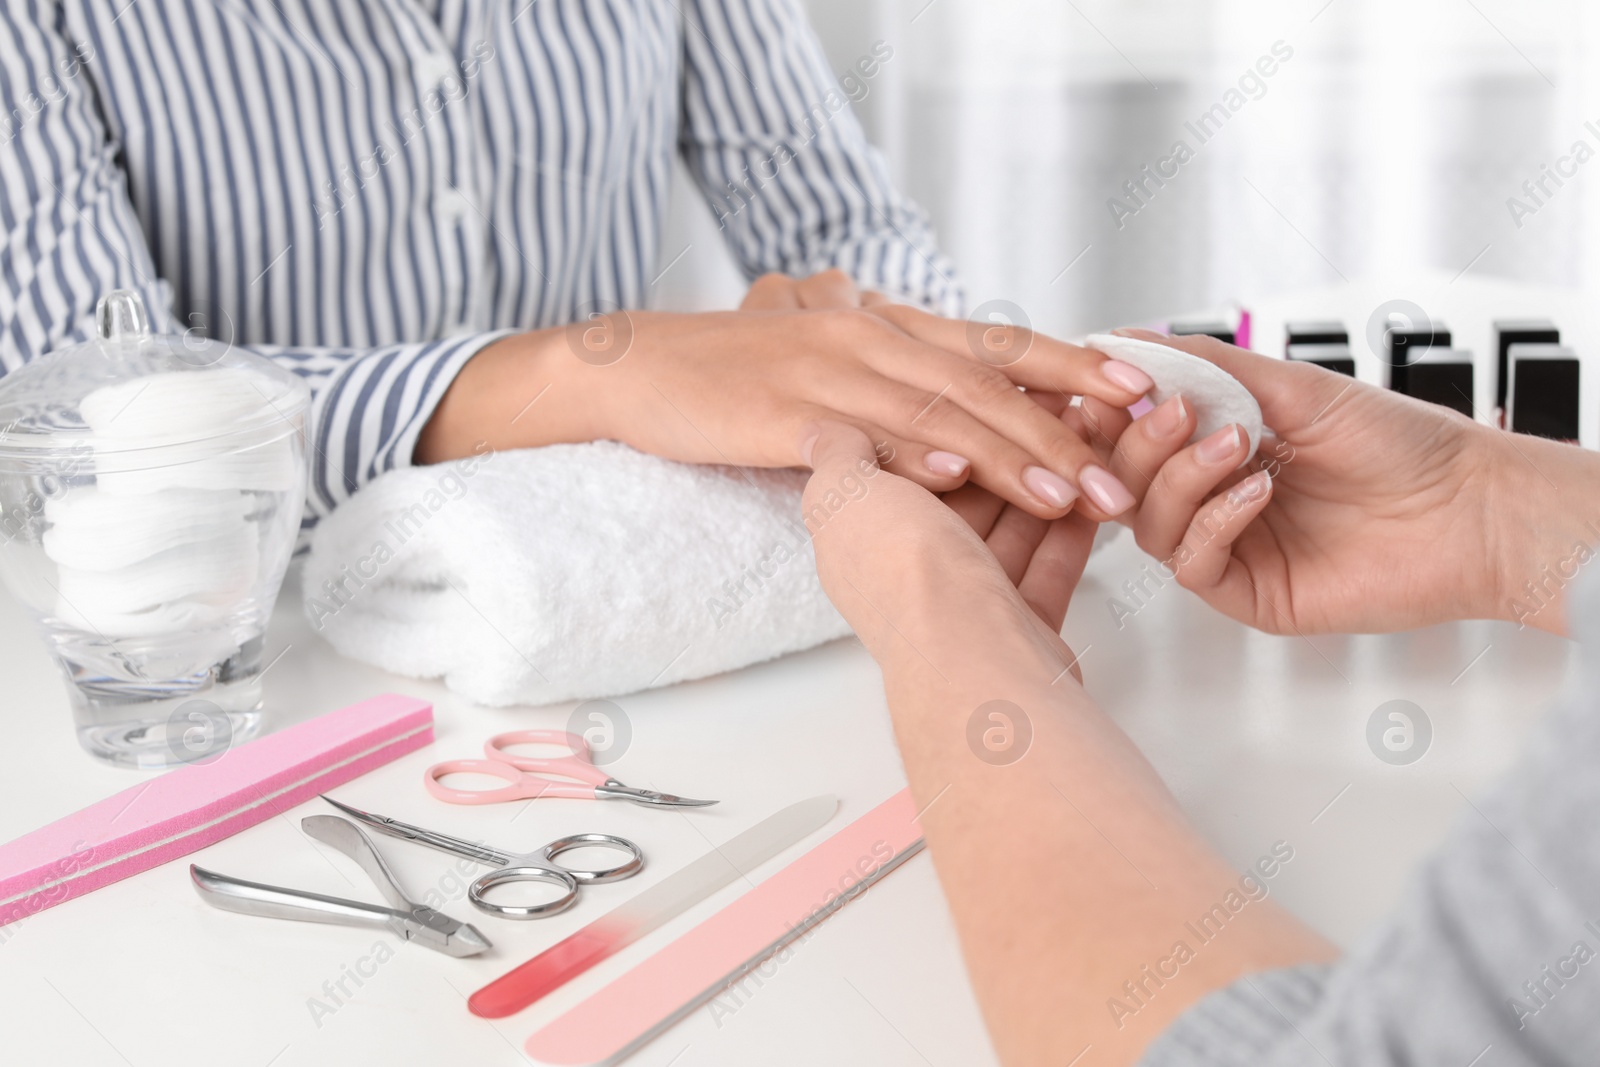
(444, 214)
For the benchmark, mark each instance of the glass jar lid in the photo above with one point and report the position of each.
(136, 399)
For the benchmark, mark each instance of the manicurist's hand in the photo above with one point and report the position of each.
(1374, 511)
(960, 602)
(914, 572)
(937, 397)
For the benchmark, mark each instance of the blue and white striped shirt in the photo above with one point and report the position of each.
(371, 191)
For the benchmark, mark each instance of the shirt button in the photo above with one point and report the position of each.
(434, 70)
(452, 204)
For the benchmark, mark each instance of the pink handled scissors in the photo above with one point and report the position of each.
(576, 775)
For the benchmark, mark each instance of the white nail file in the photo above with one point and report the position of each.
(670, 897)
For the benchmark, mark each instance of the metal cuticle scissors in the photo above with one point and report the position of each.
(536, 866)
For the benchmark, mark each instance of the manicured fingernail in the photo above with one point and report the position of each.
(1051, 488)
(806, 446)
(947, 463)
(1253, 487)
(1127, 376)
(1219, 447)
(1110, 495)
(1165, 420)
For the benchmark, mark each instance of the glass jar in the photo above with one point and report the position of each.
(150, 495)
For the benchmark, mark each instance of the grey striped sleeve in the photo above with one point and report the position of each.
(795, 185)
(1240, 1025)
(70, 231)
(1492, 958)
(370, 191)
(368, 406)
(72, 236)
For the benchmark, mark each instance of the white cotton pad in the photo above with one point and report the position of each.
(1216, 396)
(93, 531)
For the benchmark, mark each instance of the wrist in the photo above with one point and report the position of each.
(518, 392)
(600, 365)
(1543, 507)
(964, 630)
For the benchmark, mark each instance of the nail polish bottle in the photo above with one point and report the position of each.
(1209, 328)
(1542, 391)
(1318, 332)
(1441, 376)
(1328, 355)
(1404, 342)
(1508, 332)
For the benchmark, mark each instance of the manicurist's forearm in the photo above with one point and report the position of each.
(1546, 511)
(1072, 875)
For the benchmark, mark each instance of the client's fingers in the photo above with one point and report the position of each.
(936, 470)
(772, 292)
(1053, 402)
(1180, 487)
(828, 289)
(1055, 569)
(1029, 359)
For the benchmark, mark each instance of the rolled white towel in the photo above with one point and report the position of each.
(570, 571)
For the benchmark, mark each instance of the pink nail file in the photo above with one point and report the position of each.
(192, 806)
(641, 1005)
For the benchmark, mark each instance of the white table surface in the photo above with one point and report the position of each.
(1262, 738)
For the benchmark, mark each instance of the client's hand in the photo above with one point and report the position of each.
(825, 289)
(938, 396)
(1369, 512)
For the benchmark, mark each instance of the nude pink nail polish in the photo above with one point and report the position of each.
(1051, 488)
(1109, 494)
(946, 463)
(1219, 447)
(1166, 419)
(1126, 376)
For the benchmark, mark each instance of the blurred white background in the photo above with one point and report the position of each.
(1389, 143)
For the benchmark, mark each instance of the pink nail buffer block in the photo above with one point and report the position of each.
(190, 807)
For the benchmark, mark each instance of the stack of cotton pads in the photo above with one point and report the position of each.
(173, 547)
(183, 414)
(1215, 395)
